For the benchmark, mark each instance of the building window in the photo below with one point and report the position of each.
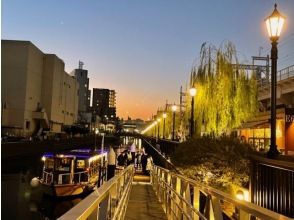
(27, 125)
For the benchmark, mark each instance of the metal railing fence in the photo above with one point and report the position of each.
(183, 198)
(272, 184)
(107, 202)
(281, 75)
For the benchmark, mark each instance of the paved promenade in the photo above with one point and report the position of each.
(143, 203)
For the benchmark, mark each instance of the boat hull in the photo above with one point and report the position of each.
(68, 191)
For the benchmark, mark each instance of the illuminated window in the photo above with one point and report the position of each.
(49, 164)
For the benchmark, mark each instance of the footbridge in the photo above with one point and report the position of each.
(165, 194)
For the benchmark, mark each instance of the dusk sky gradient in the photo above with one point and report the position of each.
(144, 49)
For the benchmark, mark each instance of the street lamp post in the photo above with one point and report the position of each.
(174, 109)
(192, 93)
(158, 124)
(164, 117)
(274, 25)
(155, 123)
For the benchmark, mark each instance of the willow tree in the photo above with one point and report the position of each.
(226, 94)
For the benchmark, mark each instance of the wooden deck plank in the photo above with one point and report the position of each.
(143, 204)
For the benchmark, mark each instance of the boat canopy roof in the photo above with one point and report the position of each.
(77, 153)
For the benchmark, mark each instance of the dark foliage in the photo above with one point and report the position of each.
(219, 162)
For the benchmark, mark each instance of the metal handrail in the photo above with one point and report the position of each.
(281, 75)
(61, 181)
(162, 157)
(183, 197)
(107, 202)
(47, 178)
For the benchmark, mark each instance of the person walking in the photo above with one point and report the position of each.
(121, 159)
(149, 164)
(111, 164)
(133, 152)
(129, 158)
(144, 163)
(138, 160)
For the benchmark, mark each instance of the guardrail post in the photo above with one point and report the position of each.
(187, 197)
(103, 209)
(164, 191)
(178, 200)
(94, 215)
(196, 201)
(168, 196)
(113, 198)
(216, 208)
(243, 215)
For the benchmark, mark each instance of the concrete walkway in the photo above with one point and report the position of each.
(143, 203)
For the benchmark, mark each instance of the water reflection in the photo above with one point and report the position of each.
(21, 201)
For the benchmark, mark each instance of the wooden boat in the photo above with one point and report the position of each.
(72, 173)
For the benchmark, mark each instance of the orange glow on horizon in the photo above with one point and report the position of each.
(126, 108)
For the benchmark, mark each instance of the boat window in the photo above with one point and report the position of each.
(63, 164)
(49, 164)
(80, 164)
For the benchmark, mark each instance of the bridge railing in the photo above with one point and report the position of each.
(184, 198)
(282, 74)
(158, 158)
(107, 202)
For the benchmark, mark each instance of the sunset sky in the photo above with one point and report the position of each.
(144, 49)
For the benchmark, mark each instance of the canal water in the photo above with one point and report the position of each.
(21, 201)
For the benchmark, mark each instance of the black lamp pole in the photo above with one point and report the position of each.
(163, 135)
(174, 122)
(192, 118)
(158, 130)
(274, 25)
(273, 152)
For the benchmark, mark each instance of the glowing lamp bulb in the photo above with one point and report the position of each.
(240, 195)
(274, 24)
(193, 92)
(174, 108)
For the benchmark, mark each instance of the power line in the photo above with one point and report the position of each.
(281, 44)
